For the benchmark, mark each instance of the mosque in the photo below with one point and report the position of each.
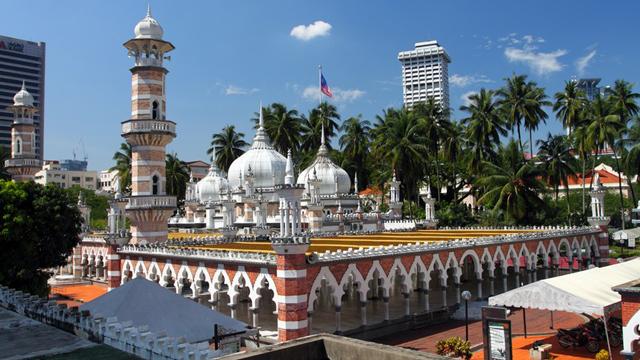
(294, 255)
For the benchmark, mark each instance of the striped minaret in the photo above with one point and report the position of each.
(292, 287)
(24, 162)
(114, 276)
(148, 132)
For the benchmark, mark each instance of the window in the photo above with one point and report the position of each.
(154, 185)
(154, 110)
(75, 178)
(88, 179)
(18, 148)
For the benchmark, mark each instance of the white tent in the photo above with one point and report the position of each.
(587, 291)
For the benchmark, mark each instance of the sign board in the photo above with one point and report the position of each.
(496, 333)
(498, 340)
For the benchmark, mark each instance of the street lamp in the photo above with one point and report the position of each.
(466, 295)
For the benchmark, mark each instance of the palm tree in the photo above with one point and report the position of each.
(604, 128)
(557, 164)
(569, 105)
(536, 99)
(453, 151)
(354, 143)
(324, 115)
(435, 121)
(522, 103)
(582, 146)
(123, 166)
(484, 127)
(401, 145)
(283, 127)
(623, 102)
(228, 145)
(177, 176)
(512, 186)
(5, 154)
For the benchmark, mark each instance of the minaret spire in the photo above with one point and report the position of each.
(24, 85)
(261, 118)
(148, 10)
(288, 179)
(322, 136)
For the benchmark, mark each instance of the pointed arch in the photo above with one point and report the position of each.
(353, 272)
(168, 271)
(261, 279)
(154, 268)
(326, 275)
(386, 284)
(240, 278)
(476, 261)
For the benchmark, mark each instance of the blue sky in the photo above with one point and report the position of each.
(230, 55)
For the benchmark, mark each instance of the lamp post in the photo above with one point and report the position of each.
(466, 295)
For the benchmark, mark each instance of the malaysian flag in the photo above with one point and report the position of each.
(324, 88)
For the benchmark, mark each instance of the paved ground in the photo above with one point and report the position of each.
(521, 348)
(74, 295)
(538, 322)
(22, 338)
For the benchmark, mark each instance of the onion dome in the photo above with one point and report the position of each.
(148, 28)
(23, 97)
(333, 178)
(213, 186)
(267, 164)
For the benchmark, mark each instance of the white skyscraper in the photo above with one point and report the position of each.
(425, 72)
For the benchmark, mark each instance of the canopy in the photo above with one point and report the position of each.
(144, 302)
(587, 291)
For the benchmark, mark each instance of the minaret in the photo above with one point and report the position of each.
(394, 197)
(288, 179)
(24, 163)
(148, 132)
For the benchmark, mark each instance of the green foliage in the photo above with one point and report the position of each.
(454, 214)
(39, 227)
(454, 347)
(228, 146)
(97, 203)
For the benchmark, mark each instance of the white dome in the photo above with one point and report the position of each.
(328, 173)
(22, 97)
(148, 28)
(267, 165)
(212, 186)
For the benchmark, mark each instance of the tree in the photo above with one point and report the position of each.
(435, 121)
(324, 115)
(228, 145)
(512, 186)
(484, 126)
(623, 103)
(354, 143)
(283, 127)
(583, 147)
(4, 155)
(401, 146)
(569, 105)
(522, 103)
(177, 175)
(557, 164)
(123, 166)
(39, 228)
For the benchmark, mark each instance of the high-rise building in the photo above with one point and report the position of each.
(589, 87)
(21, 60)
(425, 73)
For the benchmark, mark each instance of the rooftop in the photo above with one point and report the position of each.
(346, 242)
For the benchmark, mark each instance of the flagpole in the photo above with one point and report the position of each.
(320, 83)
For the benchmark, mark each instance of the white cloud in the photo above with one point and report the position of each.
(583, 62)
(339, 95)
(542, 63)
(465, 97)
(465, 80)
(236, 90)
(308, 32)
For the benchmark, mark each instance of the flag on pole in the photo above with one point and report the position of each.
(324, 88)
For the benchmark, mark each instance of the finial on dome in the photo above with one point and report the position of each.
(322, 136)
(148, 10)
(394, 175)
(24, 86)
(261, 118)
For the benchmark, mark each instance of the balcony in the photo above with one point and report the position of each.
(23, 163)
(148, 127)
(152, 202)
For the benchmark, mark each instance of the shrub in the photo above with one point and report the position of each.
(602, 355)
(454, 347)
